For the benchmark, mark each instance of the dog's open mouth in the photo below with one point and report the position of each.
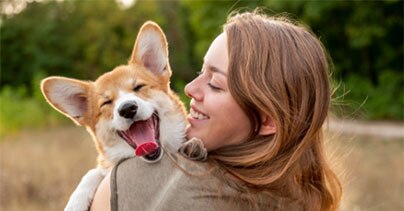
(144, 136)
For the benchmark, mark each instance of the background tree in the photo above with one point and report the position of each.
(84, 39)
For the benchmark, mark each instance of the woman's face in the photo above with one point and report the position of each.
(215, 117)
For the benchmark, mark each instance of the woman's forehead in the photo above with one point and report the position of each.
(217, 55)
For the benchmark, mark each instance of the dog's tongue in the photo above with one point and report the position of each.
(143, 134)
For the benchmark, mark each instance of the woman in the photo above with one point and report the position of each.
(258, 106)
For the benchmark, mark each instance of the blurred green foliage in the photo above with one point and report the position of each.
(21, 109)
(83, 39)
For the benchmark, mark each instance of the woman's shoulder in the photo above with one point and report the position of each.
(173, 183)
(177, 183)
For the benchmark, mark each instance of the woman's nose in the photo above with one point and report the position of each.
(192, 90)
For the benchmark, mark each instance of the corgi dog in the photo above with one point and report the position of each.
(129, 111)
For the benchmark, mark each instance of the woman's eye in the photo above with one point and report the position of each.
(106, 103)
(214, 88)
(138, 87)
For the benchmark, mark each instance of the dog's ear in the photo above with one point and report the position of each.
(150, 49)
(68, 96)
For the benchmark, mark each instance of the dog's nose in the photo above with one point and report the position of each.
(128, 110)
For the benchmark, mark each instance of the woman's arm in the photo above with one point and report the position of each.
(102, 196)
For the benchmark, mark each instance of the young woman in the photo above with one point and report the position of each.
(258, 106)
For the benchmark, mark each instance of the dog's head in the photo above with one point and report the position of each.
(130, 105)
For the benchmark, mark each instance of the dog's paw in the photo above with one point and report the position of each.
(194, 149)
(77, 205)
(82, 197)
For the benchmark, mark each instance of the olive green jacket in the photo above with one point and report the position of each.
(176, 183)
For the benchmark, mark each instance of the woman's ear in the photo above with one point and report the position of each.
(268, 126)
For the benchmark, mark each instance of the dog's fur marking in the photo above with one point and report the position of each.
(145, 110)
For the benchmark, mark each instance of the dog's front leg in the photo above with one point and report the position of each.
(81, 198)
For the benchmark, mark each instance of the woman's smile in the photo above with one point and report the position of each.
(195, 114)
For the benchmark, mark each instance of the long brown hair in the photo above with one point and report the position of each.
(280, 69)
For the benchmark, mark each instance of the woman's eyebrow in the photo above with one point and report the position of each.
(216, 70)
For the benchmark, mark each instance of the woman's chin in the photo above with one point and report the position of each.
(191, 133)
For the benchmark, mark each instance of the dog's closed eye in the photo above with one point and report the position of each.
(138, 87)
(107, 102)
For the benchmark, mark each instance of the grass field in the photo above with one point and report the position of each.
(372, 172)
(40, 169)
